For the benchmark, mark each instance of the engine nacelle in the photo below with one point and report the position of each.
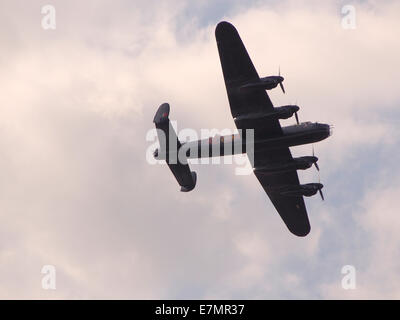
(252, 119)
(307, 190)
(286, 112)
(300, 163)
(266, 83)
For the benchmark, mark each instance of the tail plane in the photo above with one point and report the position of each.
(169, 148)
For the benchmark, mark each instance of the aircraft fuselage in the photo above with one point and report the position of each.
(294, 135)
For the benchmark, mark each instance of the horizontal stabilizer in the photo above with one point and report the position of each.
(162, 114)
(169, 146)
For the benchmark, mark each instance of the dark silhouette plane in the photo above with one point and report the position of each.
(251, 109)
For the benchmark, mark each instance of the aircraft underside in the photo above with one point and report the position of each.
(234, 144)
(266, 144)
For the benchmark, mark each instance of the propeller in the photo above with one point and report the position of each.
(296, 115)
(322, 195)
(315, 163)
(320, 190)
(280, 83)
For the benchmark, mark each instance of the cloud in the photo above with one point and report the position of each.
(376, 273)
(78, 193)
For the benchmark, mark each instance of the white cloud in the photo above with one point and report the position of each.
(77, 192)
(377, 274)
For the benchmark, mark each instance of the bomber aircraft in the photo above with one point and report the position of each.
(252, 109)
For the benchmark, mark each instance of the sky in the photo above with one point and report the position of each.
(78, 194)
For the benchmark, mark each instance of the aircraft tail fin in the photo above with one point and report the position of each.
(169, 150)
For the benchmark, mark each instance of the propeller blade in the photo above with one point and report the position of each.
(322, 195)
(315, 163)
(297, 117)
(283, 89)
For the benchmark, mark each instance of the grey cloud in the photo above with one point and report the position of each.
(78, 193)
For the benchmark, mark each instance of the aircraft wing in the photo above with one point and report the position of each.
(238, 70)
(292, 209)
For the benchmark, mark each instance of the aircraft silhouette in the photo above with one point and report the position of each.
(252, 109)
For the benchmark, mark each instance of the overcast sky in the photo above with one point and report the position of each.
(76, 191)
